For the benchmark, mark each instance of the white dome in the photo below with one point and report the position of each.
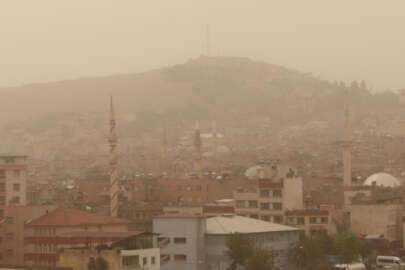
(382, 179)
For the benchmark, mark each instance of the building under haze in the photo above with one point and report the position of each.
(13, 181)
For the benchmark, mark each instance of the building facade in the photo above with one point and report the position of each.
(13, 181)
(44, 235)
(12, 231)
(311, 221)
(181, 241)
(275, 194)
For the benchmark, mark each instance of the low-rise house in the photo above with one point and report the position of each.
(119, 250)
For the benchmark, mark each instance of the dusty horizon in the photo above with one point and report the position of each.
(48, 41)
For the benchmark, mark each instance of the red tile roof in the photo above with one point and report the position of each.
(71, 217)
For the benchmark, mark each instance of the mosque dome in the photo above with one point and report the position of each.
(382, 179)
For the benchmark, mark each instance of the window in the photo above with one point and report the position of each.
(300, 220)
(266, 217)
(2, 174)
(278, 219)
(2, 200)
(179, 240)
(9, 160)
(16, 174)
(252, 204)
(188, 188)
(198, 188)
(9, 220)
(16, 187)
(254, 216)
(145, 260)
(9, 236)
(15, 200)
(290, 220)
(153, 260)
(9, 252)
(180, 257)
(240, 204)
(264, 206)
(324, 219)
(264, 193)
(179, 188)
(277, 206)
(312, 220)
(1, 213)
(277, 193)
(2, 187)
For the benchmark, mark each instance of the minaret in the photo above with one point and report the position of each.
(163, 154)
(214, 139)
(197, 149)
(113, 164)
(347, 148)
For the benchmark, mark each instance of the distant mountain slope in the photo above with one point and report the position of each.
(229, 84)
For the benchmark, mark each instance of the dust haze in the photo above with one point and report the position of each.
(336, 40)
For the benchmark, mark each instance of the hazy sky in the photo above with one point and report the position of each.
(44, 40)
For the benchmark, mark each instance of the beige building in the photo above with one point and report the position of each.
(13, 181)
(376, 217)
(312, 221)
(278, 190)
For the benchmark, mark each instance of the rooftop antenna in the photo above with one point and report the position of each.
(208, 40)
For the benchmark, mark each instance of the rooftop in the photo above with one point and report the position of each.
(71, 217)
(238, 224)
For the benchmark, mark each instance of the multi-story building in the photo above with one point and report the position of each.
(273, 195)
(181, 241)
(195, 242)
(311, 221)
(45, 235)
(376, 216)
(13, 178)
(121, 251)
(12, 234)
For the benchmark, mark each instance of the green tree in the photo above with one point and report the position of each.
(261, 259)
(97, 264)
(240, 249)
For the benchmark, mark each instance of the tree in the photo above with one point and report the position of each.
(97, 264)
(261, 259)
(240, 249)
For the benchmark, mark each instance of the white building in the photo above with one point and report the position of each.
(192, 242)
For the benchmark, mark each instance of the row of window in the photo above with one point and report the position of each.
(45, 248)
(176, 240)
(275, 218)
(14, 200)
(134, 261)
(16, 187)
(276, 193)
(312, 220)
(176, 257)
(15, 174)
(45, 232)
(254, 204)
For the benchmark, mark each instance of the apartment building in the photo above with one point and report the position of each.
(312, 221)
(47, 235)
(13, 181)
(12, 231)
(273, 195)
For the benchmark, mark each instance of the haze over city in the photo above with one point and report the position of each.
(202, 135)
(337, 40)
